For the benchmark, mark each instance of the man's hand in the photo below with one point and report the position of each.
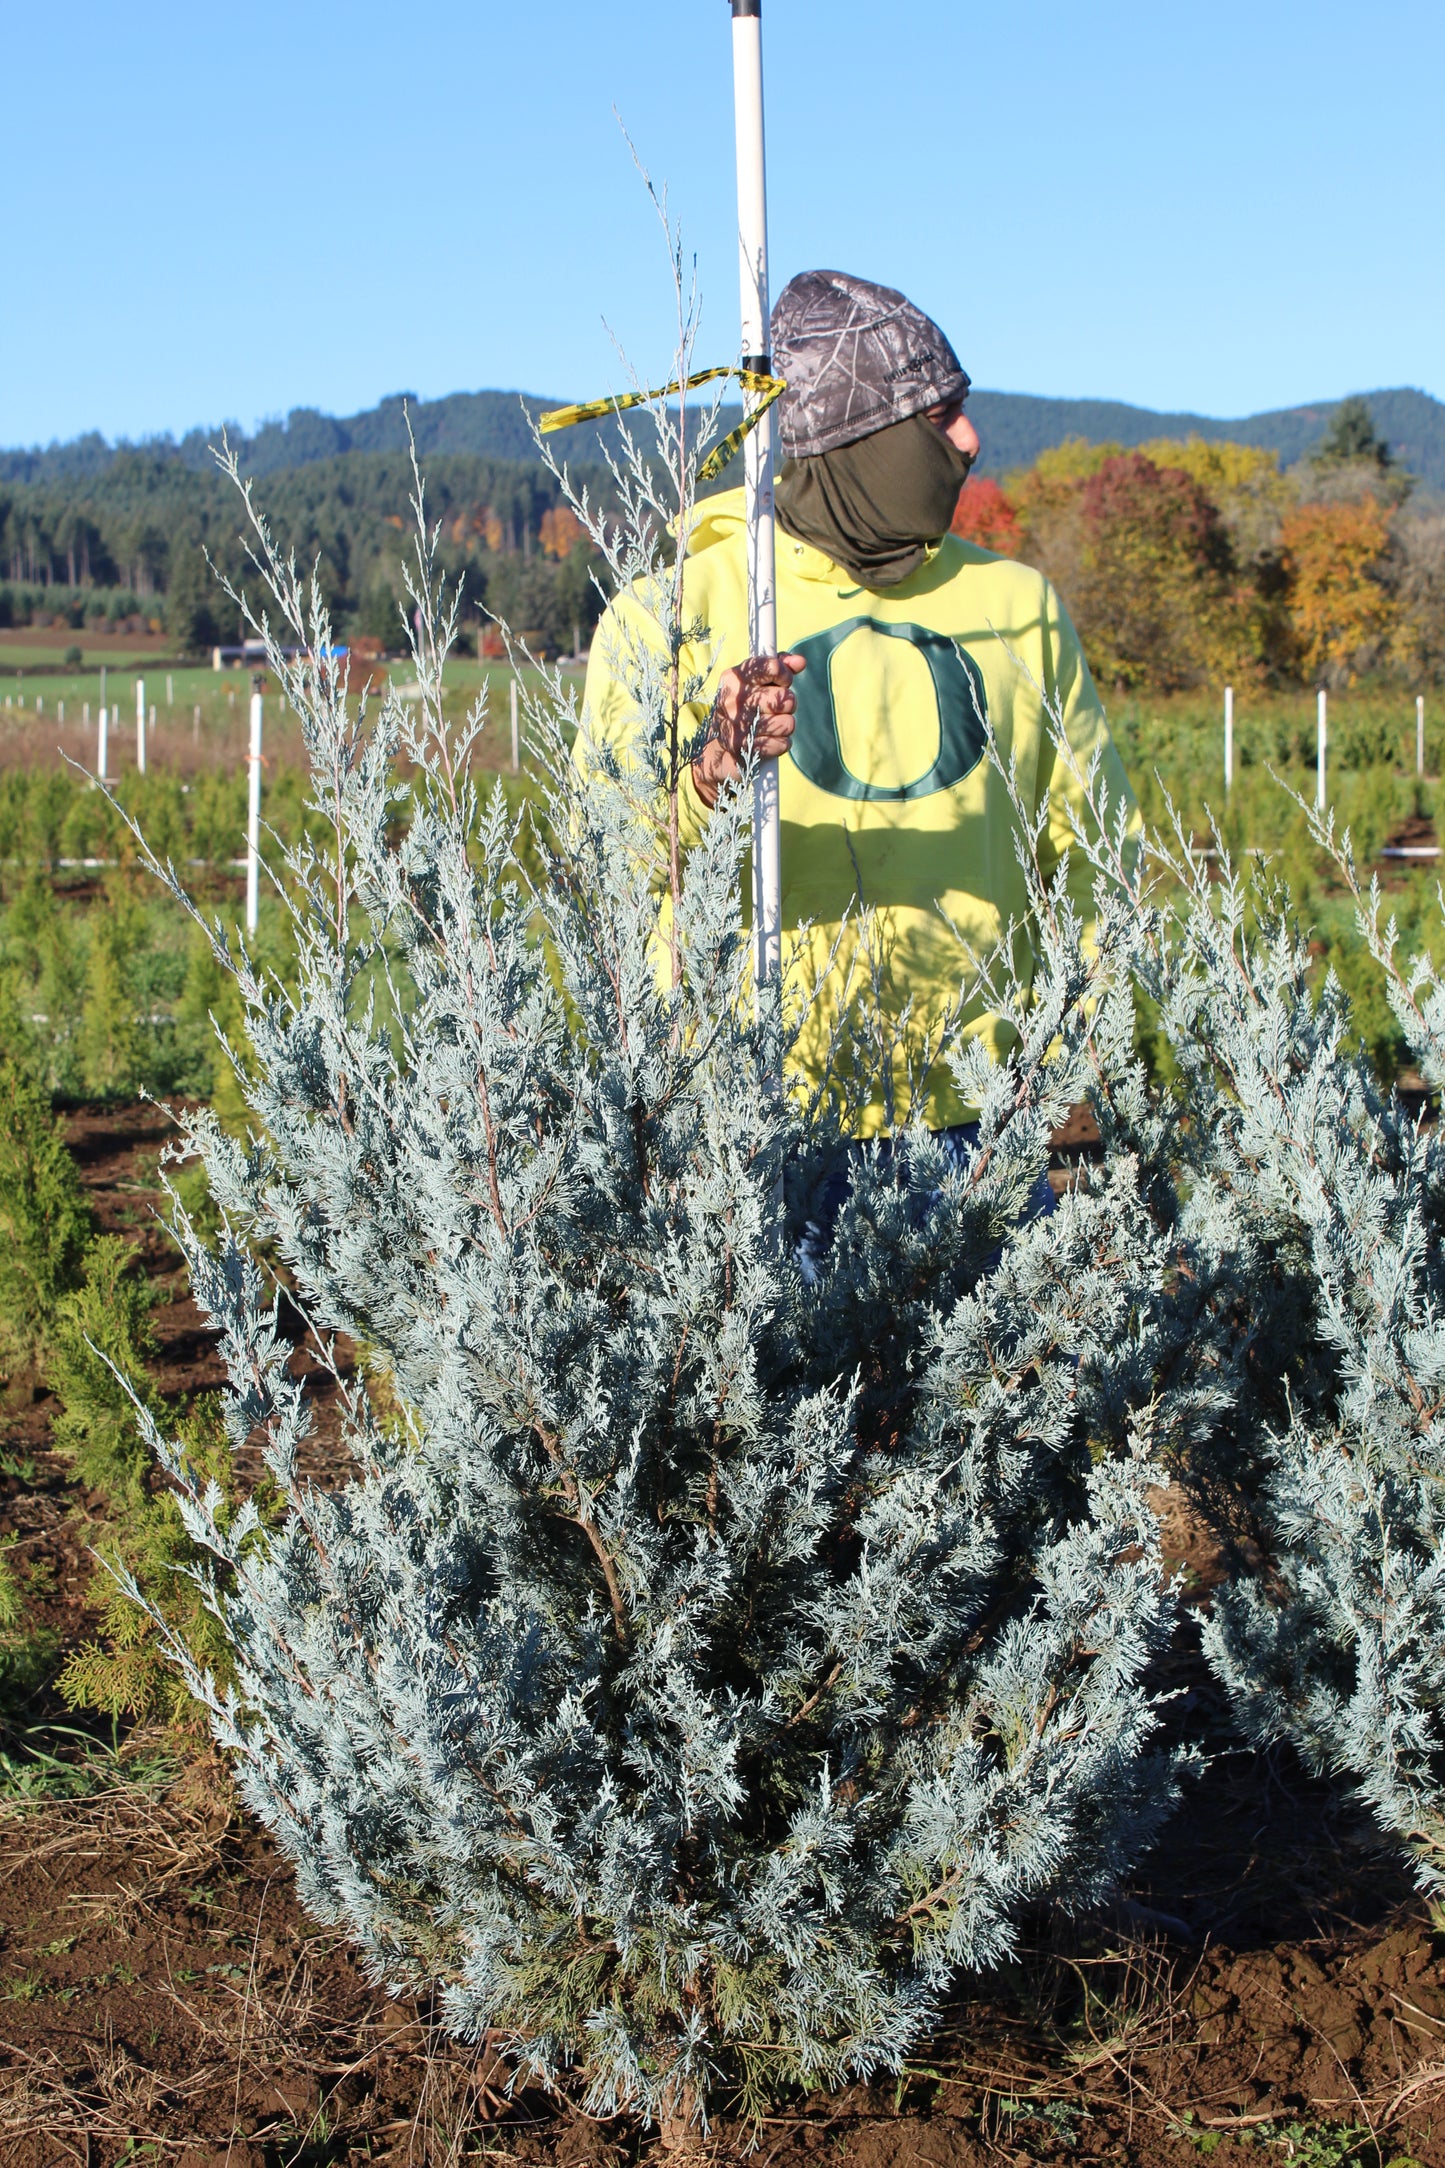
(754, 707)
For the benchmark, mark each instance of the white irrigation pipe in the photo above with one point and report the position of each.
(1322, 728)
(758, 460)
(1228, 736)
(253, 816)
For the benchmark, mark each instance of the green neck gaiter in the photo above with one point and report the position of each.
(875, 506)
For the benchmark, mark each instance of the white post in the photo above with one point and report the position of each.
(102, 748)
(516, 741)
(1321, 738)
(253, 816)
(1419, 733)
(102, 688)
(758, 460)
(85, 714)
(170, 690)
(40, 703)
(196, 725)
(1228, 736)
(140, 724)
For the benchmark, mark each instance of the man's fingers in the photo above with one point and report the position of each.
(767, 700)
(772, 670)
(778, 711)
(759, 670)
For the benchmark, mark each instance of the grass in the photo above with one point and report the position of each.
(34, 648)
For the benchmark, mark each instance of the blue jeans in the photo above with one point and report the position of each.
(958, 1144)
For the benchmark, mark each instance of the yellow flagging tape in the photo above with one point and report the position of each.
(764, 388)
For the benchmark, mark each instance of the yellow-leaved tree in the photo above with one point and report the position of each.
(1341, 612)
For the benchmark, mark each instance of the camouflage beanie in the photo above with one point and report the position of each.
(856, 357)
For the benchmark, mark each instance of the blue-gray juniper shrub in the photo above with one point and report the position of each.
(715, 1657)
(1304, 1208)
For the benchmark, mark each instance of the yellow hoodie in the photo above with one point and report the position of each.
(887, 796)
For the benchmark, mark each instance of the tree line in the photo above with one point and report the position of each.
(130, 544)
(1186, 563)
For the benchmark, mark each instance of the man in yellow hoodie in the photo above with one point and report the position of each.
(899, 638)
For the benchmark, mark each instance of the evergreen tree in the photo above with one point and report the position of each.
(1351, 438)
(111, 1031)
(45, 1222)
(714, 1657)
(1305, 1323)
(192, 618)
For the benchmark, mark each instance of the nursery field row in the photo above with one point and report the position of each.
(198, 719)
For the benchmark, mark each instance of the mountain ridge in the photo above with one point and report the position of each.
(1014, 426)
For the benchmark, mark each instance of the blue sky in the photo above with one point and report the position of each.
(222, 214)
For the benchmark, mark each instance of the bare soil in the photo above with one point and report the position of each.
(1268, 1986)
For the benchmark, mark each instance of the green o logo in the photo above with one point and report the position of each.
(958, 689)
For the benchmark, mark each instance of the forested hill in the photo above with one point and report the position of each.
(478, 424)
(1015, 428)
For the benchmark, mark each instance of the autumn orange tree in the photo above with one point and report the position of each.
(561, 531)
(1341, 612)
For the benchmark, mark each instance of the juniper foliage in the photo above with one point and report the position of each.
(1304, 1207)
(713, 1658)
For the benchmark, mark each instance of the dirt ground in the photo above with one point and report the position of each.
(1269, 1986)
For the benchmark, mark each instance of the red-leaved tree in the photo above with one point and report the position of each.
(986, 516)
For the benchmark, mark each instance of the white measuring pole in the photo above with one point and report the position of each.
(1321, 740)
(1419, 733)
(758, 460)
(102, 688)
(253, 815)
(1228, 736)
(102, 748)
(516, 740)
(140, 724)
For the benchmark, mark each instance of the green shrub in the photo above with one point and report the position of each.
(97, 1369)
(27, 1652)
(45, 1222)
(104, 1322)
(124, 1669)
